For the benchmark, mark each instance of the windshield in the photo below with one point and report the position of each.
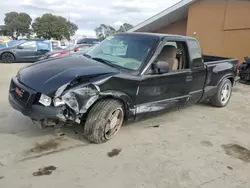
(14, 43)
(126, 51)
(3, 45)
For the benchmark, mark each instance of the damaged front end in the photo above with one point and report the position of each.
(67, 106)
(58, 90)
(73, 102)
(76, 101)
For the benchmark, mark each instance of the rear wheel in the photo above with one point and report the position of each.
(8, 58)
(223, 94)
(104, 121)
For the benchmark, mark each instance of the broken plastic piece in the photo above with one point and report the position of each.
(81, 99)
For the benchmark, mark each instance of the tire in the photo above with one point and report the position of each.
(103, 116)
(8, 57)
(223, 94)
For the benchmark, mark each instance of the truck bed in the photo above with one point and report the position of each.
(217, 69)
(208, 59)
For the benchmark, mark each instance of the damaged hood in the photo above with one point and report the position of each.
(48, 75)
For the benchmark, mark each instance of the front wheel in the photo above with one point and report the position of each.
(8, 58)
(223, 94)
(104, 121)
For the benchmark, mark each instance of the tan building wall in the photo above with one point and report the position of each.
(178, 28)
(221, 26)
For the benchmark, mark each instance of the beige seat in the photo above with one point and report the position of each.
(168, 54)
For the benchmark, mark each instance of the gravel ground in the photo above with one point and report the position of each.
(198, 146)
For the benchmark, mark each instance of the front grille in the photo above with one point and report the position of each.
(20, 93)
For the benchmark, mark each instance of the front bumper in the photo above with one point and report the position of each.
(36, 112)
(29, 107)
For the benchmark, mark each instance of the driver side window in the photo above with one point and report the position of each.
(173, 57)
(168, 55)
(29, 45)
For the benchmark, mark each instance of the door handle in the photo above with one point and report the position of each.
(189, 78)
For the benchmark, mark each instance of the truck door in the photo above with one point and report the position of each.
(160, 92)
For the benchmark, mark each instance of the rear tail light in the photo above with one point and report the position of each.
(76, 49)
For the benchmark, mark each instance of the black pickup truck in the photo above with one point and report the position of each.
(125, 77)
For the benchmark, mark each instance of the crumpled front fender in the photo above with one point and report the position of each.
(80, 99)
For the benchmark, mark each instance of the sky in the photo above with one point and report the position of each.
(89, 14)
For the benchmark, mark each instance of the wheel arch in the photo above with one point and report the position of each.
(125, 100)
(9, 53)
(210, 90)
(227, 76)
(216, 99)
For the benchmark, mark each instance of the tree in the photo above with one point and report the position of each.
(3, 30)
(104, 31)
(125, 27)
(72, 28)
(17, 24)
(50, 26)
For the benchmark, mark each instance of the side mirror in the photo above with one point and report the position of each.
(161, 67)
(19, 47)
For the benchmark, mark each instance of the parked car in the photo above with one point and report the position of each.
(79, 49)
(88, 40)
(25, 51)
(244, 70)
(149, 73)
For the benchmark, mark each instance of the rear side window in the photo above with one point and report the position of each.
(43, 45)
(195, 49)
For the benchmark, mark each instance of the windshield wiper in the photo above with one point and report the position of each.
(86, 55)
(104, 61)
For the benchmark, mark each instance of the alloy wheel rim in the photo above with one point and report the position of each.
(7, 58)
(225, 93)
(114, 123)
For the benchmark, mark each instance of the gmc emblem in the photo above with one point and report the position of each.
(19, 92)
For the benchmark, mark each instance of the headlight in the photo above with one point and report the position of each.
(58, 102)
(45, 100)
